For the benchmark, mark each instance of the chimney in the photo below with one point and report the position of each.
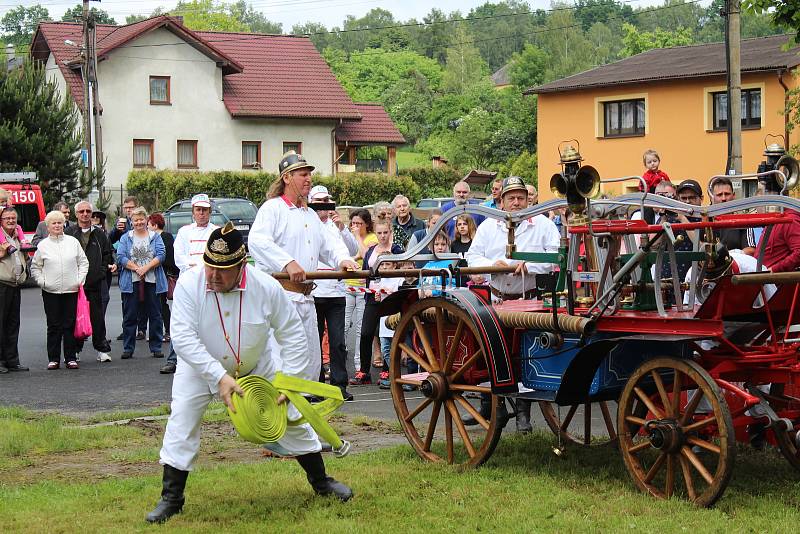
(179, 18)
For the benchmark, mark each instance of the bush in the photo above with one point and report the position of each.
(158, 189)
(434, 182)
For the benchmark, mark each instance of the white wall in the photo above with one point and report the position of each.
(197, 112)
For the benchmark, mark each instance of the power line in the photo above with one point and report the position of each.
(379, 51)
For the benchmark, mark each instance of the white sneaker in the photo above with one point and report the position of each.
(103, 357)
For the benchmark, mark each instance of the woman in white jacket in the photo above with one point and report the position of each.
(59, 267)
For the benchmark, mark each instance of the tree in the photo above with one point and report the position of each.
(255, 20)
(464, 65)
(210, 16)
(317, 32)
(131, 19)
(408, 101)
(590, 12)
(76, 15)
(785, 13)
(528, 67)
(569, 51)
(637, 41)
(499, 30)
(38, 130)
(18, 24)
(433, 39)
(367, 75)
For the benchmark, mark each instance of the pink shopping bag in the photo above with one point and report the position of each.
(83, 322)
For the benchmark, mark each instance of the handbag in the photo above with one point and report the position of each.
(83, 321)
(171, 281)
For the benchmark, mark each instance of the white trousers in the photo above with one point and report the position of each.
(308, 316)
(190, 397)
(353, 315)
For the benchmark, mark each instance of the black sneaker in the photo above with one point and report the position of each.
(167, 369)
(140, 336)
(121, 336)
(347, 395)
(158, 355)
(126, 355)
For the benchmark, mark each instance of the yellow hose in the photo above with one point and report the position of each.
(260, 419)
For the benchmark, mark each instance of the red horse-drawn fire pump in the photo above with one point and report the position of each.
(692, 365)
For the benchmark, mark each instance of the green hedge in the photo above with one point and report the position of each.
(158, 189)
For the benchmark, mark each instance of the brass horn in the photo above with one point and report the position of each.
(587, 181)
(790, 169)
(558, 185)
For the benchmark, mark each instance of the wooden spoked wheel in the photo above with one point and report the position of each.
(685, 445)
(788, 406)
(574, 423)
(452, 358)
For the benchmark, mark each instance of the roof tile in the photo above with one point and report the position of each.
(264, 75)
(375, 126)
(758, 54)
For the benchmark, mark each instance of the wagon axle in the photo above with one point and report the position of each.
(665, 435)
(435, 386)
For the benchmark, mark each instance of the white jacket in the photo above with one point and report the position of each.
(59, 265)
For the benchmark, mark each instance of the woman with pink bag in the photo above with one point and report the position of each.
(59, 267)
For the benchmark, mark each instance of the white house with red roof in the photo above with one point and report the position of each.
(173, 98)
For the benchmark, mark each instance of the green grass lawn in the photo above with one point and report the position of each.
(407, 159)
(524, 487)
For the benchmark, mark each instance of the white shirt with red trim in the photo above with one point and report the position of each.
(537, 234)
(283, 232)
(190, 243)
(200, 328)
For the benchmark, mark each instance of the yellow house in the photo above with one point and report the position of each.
(672, 100)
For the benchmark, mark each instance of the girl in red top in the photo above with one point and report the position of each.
(652, 175)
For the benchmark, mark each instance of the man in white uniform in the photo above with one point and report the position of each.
(189, 246)
(537, 234)
(329, 295)
(288, 236)
(223, 314)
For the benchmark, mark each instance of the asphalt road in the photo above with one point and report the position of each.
(116, 385)
(135, 384)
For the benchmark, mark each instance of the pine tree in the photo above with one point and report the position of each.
(39, 130)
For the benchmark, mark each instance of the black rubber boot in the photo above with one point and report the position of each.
(486, 412)
(523, 410)
(171, 502)
(323, 485)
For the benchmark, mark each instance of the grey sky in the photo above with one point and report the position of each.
(288, 12)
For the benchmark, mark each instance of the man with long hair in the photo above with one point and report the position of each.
(288, 236)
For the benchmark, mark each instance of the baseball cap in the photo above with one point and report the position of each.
(318, 191)
(201, 200)
(690, 184)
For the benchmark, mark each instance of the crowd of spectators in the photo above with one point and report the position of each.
(83, 251)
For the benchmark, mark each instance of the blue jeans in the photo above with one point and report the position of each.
(152, 309)
(386, 345)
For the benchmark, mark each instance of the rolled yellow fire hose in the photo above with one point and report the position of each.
(260, 419)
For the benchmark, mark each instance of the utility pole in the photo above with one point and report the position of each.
(733, 49)
(87, 103)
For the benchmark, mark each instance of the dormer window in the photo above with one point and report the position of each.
(159, 90)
